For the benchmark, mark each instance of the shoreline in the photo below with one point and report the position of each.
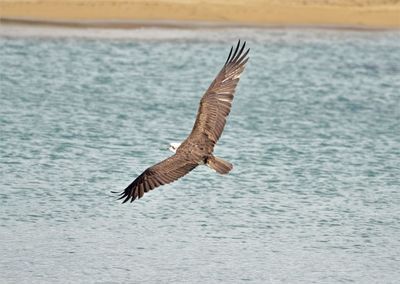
(171, 24)
(205, 13)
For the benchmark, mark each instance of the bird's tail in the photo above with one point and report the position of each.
(219, 165)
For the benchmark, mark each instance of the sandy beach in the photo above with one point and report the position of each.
(337, 13)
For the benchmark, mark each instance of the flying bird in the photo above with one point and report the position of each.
(197, 149)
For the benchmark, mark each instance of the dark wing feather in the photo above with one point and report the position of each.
(216, 103)
(162, 173)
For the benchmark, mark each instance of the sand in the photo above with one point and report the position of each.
(337, 13)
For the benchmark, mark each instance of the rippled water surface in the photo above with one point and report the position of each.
(314, 136)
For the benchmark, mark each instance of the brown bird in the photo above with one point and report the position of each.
(198, 147)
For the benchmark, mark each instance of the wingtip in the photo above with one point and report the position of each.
(237, 52)
(229, 56)
(126, 199)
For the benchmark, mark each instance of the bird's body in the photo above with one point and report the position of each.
(198, 147)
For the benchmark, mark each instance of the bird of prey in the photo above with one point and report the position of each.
(198, 147)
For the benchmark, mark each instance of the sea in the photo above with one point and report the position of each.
(313, 135)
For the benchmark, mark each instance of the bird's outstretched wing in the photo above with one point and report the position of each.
(164, 172)
(216, 103)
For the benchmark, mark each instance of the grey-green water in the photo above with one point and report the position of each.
(314, 136)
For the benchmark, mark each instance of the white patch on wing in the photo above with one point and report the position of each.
(174, 146)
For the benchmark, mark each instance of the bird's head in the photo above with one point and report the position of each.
(174, 146)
